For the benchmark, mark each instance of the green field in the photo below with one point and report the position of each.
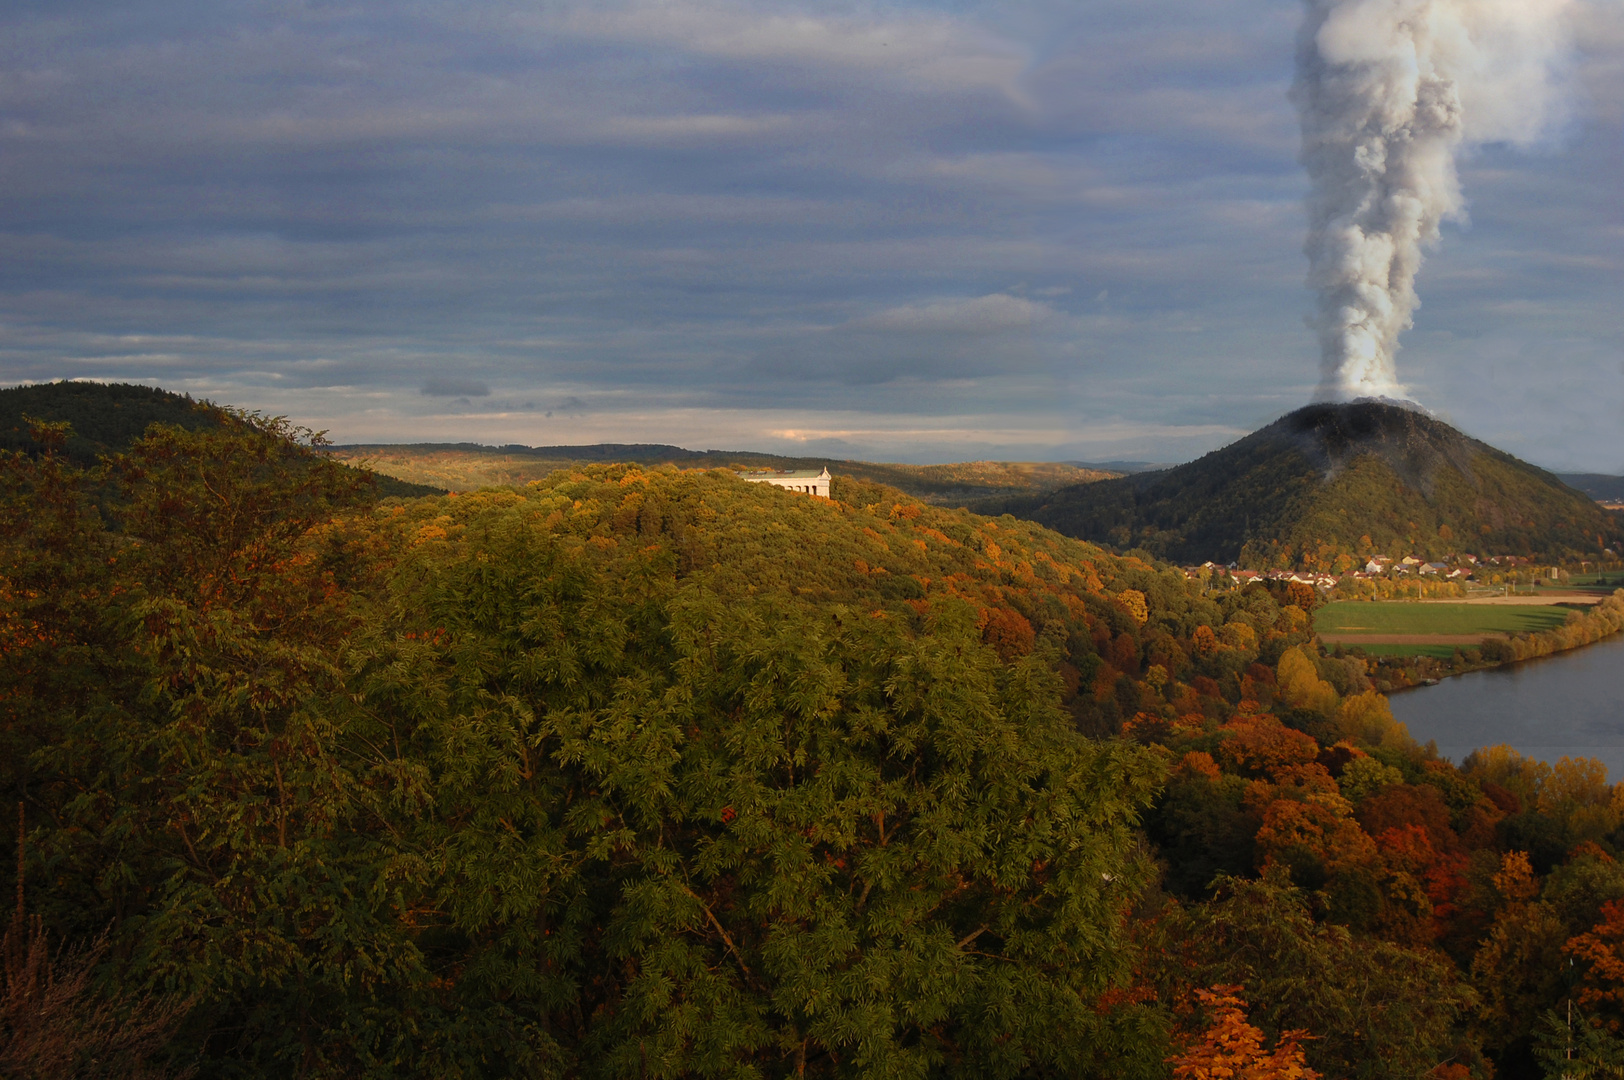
(1381, 617)
(1440, 652)
(1611, 579)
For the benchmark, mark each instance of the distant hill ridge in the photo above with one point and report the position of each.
(106, 418)
(464, 466)
(1329, 485)
(1596, 485)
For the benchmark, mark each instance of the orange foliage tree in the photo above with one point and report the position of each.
(1232, 1049)
(1258, 744)
(1601, 950)
(1310, 826)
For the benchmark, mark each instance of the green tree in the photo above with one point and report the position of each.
(180, 688)
(693, 831)
(1374, 1009)
(1569, 1047)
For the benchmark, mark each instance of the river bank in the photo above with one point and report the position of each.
(1391, 669)
(1570, 704)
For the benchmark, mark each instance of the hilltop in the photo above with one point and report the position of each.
(1326, 487)
(469, 466)
(105, 418)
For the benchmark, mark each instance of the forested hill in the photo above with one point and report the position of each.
(1328, 486)
(109, 417)
(468, 466)
(655, 772)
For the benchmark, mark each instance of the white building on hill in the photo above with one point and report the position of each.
(807, 481)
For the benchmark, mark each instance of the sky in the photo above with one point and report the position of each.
(895, 231)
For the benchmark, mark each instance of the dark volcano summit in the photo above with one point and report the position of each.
(1326, 487)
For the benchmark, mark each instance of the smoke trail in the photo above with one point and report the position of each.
(1389, 91)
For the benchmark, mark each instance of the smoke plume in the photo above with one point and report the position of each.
(1390, 92)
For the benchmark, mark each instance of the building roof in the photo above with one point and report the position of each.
(795, 474)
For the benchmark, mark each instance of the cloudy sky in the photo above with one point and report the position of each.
(1061, 230)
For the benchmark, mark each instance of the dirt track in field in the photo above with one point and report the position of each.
(1407, 639)
(1543, 600)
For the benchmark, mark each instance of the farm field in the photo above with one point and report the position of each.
(1403, 628)
(1439, 652)
(1612, 579)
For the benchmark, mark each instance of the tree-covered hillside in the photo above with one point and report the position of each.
(651, 772)
(1329, 486)
(102, 416)
(107, 417)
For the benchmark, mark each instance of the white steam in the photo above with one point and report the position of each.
(1389, 92)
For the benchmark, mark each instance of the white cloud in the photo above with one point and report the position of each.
(983, 315)
(936, 51)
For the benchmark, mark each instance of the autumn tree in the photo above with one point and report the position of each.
(1229, 1048)
(1600, 952)
(1375, 1009)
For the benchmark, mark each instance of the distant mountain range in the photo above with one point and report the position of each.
(1124, 467)
(1596, 485)
(1326, 487)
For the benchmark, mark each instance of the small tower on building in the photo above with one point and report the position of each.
(805, 481)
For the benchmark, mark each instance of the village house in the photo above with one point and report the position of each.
(804, 480)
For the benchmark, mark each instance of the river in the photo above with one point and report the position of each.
(1567, 705)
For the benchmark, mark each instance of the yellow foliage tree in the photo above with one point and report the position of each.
(1292, 620)
(1367, 718)
(1577, 782)
(1501, 765)
(1239, 635)
(1300, 684)
(1133, 602)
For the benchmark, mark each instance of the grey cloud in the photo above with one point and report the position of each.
(443, 386)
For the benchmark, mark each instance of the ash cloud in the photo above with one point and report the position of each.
(1389, 93)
